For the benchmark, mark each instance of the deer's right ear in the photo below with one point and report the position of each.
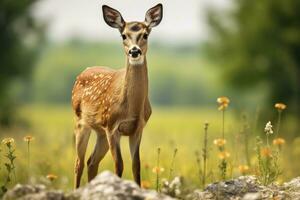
(113, 17)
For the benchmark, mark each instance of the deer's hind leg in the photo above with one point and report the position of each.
(82, 135)
(101, 148)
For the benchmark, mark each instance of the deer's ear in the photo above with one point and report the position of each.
(113, 17)
(154, 15)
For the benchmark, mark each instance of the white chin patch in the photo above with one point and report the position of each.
(136, 61)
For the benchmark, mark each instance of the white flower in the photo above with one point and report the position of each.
(268, 128)
(176, 182)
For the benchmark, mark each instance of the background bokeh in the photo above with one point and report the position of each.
(247, 50)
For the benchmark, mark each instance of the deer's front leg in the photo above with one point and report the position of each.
(113, 139)
(134, 143)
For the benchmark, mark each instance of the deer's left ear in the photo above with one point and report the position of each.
(154, 15)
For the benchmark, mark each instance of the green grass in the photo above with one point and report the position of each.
(168, 128)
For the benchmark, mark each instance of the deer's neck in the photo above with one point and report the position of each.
(135, 89)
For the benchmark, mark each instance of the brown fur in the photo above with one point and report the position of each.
(113, 103)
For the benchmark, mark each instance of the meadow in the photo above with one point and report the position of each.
(184, 86)
(170, 128)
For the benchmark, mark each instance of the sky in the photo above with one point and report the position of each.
(183, 21)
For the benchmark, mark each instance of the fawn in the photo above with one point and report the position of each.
(115, 102)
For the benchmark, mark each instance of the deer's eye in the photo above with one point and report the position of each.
(124, 37)
(145, 36)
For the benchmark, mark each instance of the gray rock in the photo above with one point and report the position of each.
(28, 192)
(293, 188)
(248, 188)
(106, 186)
(238, 187)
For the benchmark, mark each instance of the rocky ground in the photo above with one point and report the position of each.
(107, 186)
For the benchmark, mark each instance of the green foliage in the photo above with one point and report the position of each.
(9, 166)
(257, 43)
(177, 77)
(18, 37)
(223, 169)
(268, 168)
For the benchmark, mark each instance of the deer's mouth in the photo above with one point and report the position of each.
(136, 61)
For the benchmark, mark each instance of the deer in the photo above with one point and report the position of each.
(114, 102)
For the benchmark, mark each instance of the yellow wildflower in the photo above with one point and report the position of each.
(244, 169)
(158, 170)
(280, 106)
(8, 140)
(51, 177)
(223, 102)
(278, 141)
(224, 154)
(145, 184)
(220, 142)
(28, 138)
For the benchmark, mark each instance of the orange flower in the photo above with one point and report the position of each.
(51, 177)
(145, 184)
(280, 106)
(158, 170)
(224, 154)
(279, 141)
(223, 102)
(146, 166)
(220, 142)
(244, 169)
(266, 152)
(8, 141)
(28, 138)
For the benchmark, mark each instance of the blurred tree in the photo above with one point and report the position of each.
(19, 37)
(258, 42)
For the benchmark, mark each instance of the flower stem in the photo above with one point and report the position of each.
(157, 173)
(278, 123)
(204, 156)
(28, 160)
(172, 164)
(223, 124)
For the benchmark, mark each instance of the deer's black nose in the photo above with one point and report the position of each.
(135, 52)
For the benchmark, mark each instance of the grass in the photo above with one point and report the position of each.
(52, 151)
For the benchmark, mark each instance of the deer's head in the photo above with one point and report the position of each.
(134, 34)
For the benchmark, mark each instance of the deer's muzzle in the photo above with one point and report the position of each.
(135, 52)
